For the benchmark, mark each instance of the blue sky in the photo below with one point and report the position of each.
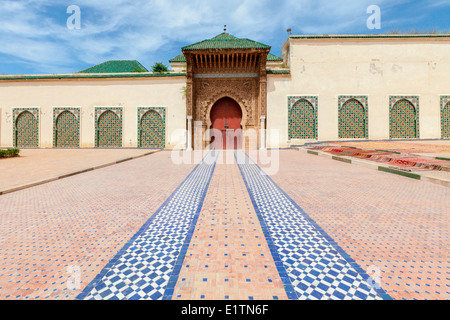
(35, 39)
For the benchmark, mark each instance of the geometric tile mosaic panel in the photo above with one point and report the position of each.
(353, 117)
(152, 127)
(403, 117)
(445, 117)
(66, 127)
(302, 121)
(108, 127)
(26, 127)
(311, 264)
(147, 267)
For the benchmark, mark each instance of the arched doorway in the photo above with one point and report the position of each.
(226, 117)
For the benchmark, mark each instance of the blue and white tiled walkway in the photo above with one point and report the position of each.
(148, 265)
(310, 264)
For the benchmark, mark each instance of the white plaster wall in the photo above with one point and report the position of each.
(88, 94)
(378, 68)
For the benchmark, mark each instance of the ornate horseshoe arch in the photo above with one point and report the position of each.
(206, 110)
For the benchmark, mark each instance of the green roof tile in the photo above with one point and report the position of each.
(116, 66)
(272, 57)
(182, 58)
(178, 58)
(226, 41)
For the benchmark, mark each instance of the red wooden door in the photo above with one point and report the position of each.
(226, 116)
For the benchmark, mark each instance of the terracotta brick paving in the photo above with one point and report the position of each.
(397, 224)
(39, 164)
(228, 257)
(80, 221)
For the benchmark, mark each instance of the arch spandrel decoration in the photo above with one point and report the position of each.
(226, 94)
(398, 122)
(31, 131)
(445, 117)
(244, 92)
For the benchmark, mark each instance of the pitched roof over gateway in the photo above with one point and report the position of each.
(226, 41)
(182, 58)
(116, 66)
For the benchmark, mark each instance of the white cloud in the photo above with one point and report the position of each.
(36, 31)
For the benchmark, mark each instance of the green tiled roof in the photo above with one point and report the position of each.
(178, 58)
(116, 66)
(284, 71)
(182, 58)
(272, 57)
(226, 41)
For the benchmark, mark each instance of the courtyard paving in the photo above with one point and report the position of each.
(40, 165)
(151, 228)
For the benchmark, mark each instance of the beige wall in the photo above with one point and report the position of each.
(88, 94)
(326, 67)
(378, 68)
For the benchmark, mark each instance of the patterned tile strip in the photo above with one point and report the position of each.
(147, 267)
(316, 267)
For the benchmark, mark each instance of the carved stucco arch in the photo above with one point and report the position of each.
(245, 108)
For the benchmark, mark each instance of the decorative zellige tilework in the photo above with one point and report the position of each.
(26, 127)
(66, 127)
(404, 117)
(353, 117)
(311, 264)
(302, 121)
(445, 117)
(152, 127)
(147, 267)
(108, 130)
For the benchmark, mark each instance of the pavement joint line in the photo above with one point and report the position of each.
(378, 167)
(70, 174)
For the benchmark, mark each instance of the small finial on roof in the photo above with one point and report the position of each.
(225, 27)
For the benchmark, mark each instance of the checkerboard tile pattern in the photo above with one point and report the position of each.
(147, 267)
(228, 256)
(315, 267)
(396, 225)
